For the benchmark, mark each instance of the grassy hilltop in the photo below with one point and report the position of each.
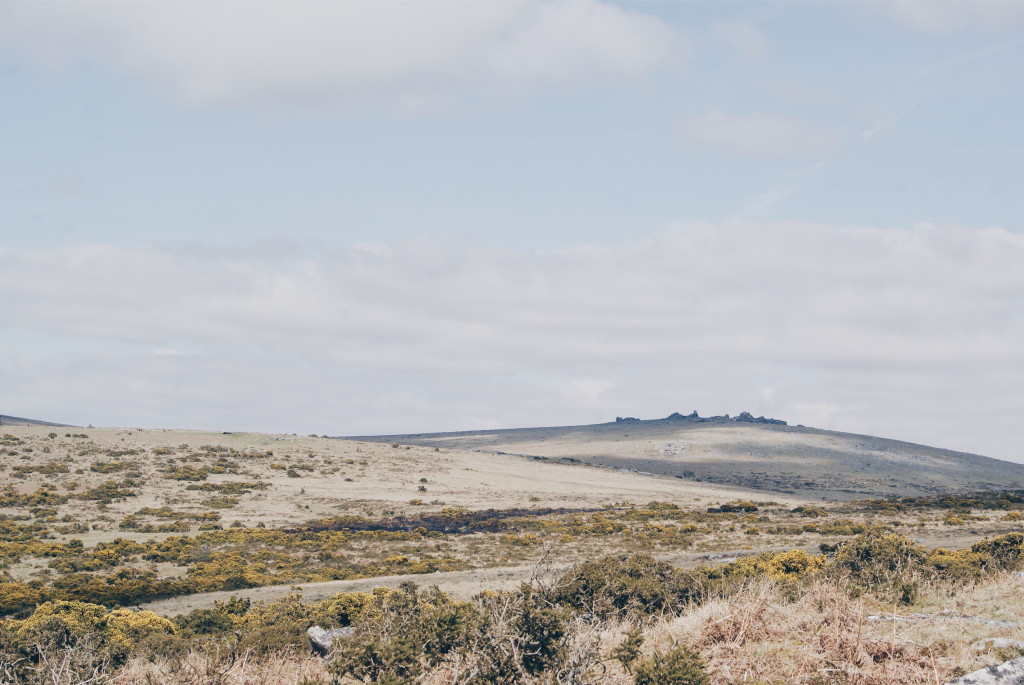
(764, 454)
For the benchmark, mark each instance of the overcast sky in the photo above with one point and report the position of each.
(377, 217)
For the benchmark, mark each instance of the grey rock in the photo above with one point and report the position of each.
(1006, 673)
(990, 622)
(946, 616)
(996, 643)
(321, 639)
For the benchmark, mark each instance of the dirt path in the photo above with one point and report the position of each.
(461, 584)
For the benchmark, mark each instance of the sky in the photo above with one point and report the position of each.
(350, 218)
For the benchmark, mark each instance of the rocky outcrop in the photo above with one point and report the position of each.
(747, 417)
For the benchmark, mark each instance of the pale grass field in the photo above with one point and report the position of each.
(348, 478)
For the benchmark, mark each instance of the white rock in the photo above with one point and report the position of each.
(322, 638)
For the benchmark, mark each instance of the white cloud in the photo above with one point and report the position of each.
(408, 55)
(756, 135)
(943, 16)
(743, 38)
(911, 333)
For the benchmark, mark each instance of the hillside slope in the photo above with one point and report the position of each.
(766, 456)
(293, 479)
(18, 421)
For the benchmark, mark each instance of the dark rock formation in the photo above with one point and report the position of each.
(747, 417)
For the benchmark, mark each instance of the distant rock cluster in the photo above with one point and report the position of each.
(747, 417)
(742, 417)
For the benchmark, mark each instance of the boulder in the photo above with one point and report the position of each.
(321, 639)
(997, 643)
(1006, 673)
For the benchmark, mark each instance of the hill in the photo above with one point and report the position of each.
(18, 421)
(763, 454)
(285, 480)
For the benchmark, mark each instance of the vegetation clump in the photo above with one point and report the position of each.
(679, 666)
(624, 584)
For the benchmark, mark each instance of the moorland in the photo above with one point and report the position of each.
(628, 552)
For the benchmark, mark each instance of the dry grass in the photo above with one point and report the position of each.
(212, 668)
(347, 477)
(825, 636)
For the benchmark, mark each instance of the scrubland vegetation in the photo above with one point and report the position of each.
(737, 590)
(625, 618)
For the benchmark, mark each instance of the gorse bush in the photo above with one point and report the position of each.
(1005, 551)
(544, 633)
(43, 496)
(19, 599)
(878, 558)
(518, 635)
(401, 634)
(740, 505)
(621, 584)
(76, 641)
(679, 666)
(777, 566)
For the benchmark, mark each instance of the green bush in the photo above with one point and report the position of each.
(18, 598)
(621, 584)
(401, 633)
(111, 490)
(679, 666)
(1005, 550)
(958, 567)
(878, 558)
(740, 505)
(110, 637)
(341, 610)
(518, 636)
(886, 564)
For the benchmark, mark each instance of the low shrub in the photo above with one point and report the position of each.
(401, 633)
(958, 567)
(778, 566)
(679, 666)
(737, 506)
(623, 584)
(878, 558)
(1005, 551)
